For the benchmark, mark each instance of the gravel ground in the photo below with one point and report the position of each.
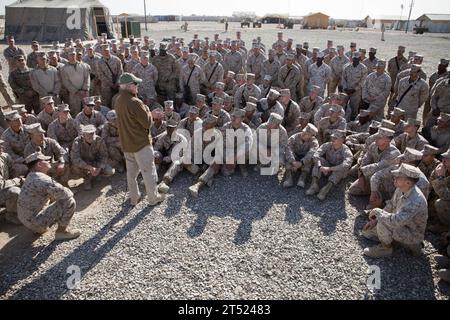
(260, 243)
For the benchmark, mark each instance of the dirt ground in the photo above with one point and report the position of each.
(432, 46)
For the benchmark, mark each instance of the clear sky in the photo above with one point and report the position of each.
(356, 9)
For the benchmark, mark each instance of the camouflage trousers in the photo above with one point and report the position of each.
(107, 94)
(79, 172)
(387, 234)
(355, 102)
(356, 190)
(335, 177)
(210, 173)
(116, 156)
(306, 167)
(60, 212)
(333, 85)
(8, 199)
(442, 208)
(62, 177)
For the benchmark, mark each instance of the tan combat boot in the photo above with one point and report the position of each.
(164, 186)
(160, 197)
(62, 235)
(314, 188)
(324, 192)
(193, 190)
(378, 251)
(302, 180)
(289, 180)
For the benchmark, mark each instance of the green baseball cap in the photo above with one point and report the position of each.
(127, 78)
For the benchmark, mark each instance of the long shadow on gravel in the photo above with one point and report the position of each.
(89, 254)
(20, 247)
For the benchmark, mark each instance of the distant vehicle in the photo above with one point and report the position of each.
(257, 24)
(288, 24)
(246, 22)
(420, 30)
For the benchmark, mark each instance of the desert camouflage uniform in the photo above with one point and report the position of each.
(377, 87)
(149, 76)
(370, 64)
(212, 78)
(382, 182)
(290, 79)
(277, 108)
(337, 67)
(440, 139)
(96, 119)
(271, 69)
(403, 141)
(291, 116)
(190, 126)
(243, 93)
(357, 127)
(156, 131)
(58, 154)
(110, 135)
(95, 82)
(442, 188)
(319, 76)
(173, 116)
(163, 148)
(223, 118)
(63, 134)
(9, 186)
(404, 218)
(255, 65)
(130, 65)
(197, 78)
(327, 156)
(427, 169)
(326, 128)
(232, 61)
(299, 150)
(266, 144)
(415, 98)
(108, 80)
(353, 78)
(46, 118)
(322, 112)
(9, 54)
(308, 106)
(37, 190)
(440, 100)
(14, 146)
(83, 155)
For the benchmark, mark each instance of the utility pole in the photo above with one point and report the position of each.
(145, 15)
(409, 16)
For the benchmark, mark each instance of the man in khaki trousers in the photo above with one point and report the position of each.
(133, 121)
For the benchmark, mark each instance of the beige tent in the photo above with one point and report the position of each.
(57, 20)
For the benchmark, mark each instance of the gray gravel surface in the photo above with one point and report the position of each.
(245, 238)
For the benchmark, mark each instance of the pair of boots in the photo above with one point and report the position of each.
(164, 186)
(289, 180)
(314, 188)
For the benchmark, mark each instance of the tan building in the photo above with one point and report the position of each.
(316, 20)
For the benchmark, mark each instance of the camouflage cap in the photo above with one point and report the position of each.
(240, 76)
(12, 115)
(89, 101)
(88, 129)
(111, 115)
(275, 118)
(63, 108)
(339, 134)
(356, 55)
(171, 124)
(352, 44)
(429, 150)
(387, 124)
(290, 56)
(385, 133)
(238, 113)
(446, 154)
(268, 77)
(339, 47)
(210, 118)
(250, 107)
(251, 76)
(373, 50)
(19, 57)
(285, 93)
(306, 45)
(47, 100)
(413, 122)
(20, 108)
(381, 64)
(273, 94)
(402, 48)
(310, 128)
(37, 156)
(335, 108)
(217, 100)
(253, 99)
(375, 124)
(362, 50)
(444, 62)
(406, 170)
(230, 74)
(416, 68)
(200, 97)
(168, 104)
(320, 55)
(194, 110)
(444, 116)
(34, 128)
(410, 154)
(397, 112)
(219, 85)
